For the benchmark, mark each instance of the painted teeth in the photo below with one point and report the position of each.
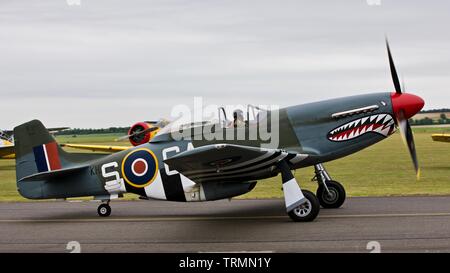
(352, 134)
(380, 118)
(363, 130)
(384, 122)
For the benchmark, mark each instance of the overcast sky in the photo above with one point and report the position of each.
(111, 63)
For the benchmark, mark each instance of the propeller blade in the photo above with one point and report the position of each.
(408, 139)
(403, 85)
(394, 75)
(122, 138)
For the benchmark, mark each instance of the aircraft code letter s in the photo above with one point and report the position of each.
(116, 184)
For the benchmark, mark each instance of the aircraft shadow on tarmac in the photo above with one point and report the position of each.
(125, 211)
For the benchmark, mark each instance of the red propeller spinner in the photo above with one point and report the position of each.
(408, 103)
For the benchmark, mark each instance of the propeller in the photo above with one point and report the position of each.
(398, 88)
(151, 129)
(402, 120)
(156, 125)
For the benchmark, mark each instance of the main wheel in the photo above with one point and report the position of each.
(307, 211)
(104, 210)
(335, 198)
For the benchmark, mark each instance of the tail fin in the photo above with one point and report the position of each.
(44, 170)
(37, 150)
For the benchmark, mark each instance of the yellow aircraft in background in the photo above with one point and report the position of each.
(441, 137)
(7, 142)
(139, 133)
(6, 149)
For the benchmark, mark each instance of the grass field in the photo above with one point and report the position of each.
(380, 170)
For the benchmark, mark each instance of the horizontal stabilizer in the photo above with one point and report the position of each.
(53, 174)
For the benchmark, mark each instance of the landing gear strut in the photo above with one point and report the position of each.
(331, 194)
(301, 206)
(104, 210)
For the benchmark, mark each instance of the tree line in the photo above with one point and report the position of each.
(90, 131)
(428, 121)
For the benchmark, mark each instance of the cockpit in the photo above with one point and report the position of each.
(240, 119)
(223, 118)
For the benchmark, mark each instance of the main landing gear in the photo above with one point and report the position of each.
(331, 194)
(307, 211)
(104, 210)
(301, 206)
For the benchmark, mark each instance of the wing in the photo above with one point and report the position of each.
(227, 162)
(6, 151)
(441, 137)
(97, 148)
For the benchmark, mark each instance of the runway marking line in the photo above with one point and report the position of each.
(215, 218)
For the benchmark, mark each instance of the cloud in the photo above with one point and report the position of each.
(112, 63)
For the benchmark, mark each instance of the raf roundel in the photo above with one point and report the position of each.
(140, 167)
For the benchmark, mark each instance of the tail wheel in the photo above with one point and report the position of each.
(336, 196)
(104, 210)
(307, 211)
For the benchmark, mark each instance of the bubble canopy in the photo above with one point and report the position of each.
(223, 118)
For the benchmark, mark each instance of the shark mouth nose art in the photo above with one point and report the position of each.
(382, 124)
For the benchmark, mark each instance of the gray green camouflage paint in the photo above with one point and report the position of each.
(303, 129)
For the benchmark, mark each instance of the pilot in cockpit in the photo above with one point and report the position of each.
(238, 118)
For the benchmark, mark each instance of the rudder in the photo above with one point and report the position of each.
(36, 150)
